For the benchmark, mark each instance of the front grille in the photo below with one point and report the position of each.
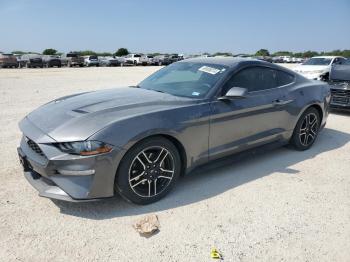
(340, 96)
(34, 146)
(341, 92)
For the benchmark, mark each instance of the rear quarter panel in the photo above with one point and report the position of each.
(305, 94)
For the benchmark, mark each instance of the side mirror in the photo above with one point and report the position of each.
(235, 93)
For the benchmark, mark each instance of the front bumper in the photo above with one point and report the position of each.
(47, 188)
(340, 98)
(63, 176)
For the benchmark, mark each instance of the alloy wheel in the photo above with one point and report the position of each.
(308, 129)
(151, 171)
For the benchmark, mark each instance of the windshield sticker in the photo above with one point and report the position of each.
(195, 93)
(209, 70)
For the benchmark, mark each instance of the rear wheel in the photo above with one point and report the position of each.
(306, 130)
(148, 171)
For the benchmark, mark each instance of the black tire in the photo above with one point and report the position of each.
(150, 181)
(304, 134)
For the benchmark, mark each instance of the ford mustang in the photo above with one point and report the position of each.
(137, 141)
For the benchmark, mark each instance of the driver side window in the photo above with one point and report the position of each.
(253, 79)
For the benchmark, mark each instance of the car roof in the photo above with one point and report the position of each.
(226, 61)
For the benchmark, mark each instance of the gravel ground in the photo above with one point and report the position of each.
(281, 205)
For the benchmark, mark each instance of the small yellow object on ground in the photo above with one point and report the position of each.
(214, 253)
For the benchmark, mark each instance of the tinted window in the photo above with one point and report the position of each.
(258, 78)
(253, 78)
(339, 61)
(284, 78)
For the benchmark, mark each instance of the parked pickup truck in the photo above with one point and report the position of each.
(8, 60)
(72, 59)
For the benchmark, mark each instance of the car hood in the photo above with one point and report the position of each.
(77, 117)
(311, 68)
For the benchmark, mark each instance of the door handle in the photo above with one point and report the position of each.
(280, 102)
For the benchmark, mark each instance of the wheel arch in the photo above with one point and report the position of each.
(319, 110)
(313, 105)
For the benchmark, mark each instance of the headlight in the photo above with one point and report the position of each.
(84, 148)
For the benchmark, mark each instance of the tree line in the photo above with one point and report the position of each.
(262, 52)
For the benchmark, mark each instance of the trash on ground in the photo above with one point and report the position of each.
(147, 225)
(215, 254)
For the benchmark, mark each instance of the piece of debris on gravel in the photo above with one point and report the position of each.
(215, 254)
(147, 225)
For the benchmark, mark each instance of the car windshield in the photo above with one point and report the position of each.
(185, 79)
(318, 61)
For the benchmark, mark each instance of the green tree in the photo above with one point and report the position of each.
(50, 51)
(121, 52)
(104, 54)
(155, 54)
(283, 53)
(222, 54)
(310, 54)
(18, 52)
(86, 52)
(262, 52)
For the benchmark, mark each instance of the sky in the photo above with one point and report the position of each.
(175, 26)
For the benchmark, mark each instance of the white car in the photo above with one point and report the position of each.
(318, 67)
(286, 59)
(133, 59)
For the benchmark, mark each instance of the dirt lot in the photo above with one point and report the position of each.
(282, 205)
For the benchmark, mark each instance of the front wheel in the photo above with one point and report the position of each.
(306, 130)
(148, 171)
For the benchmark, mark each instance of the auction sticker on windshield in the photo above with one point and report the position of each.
(209, 70)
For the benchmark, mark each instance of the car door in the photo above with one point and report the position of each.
(239, 124)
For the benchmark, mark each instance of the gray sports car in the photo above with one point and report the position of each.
(137, 141)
